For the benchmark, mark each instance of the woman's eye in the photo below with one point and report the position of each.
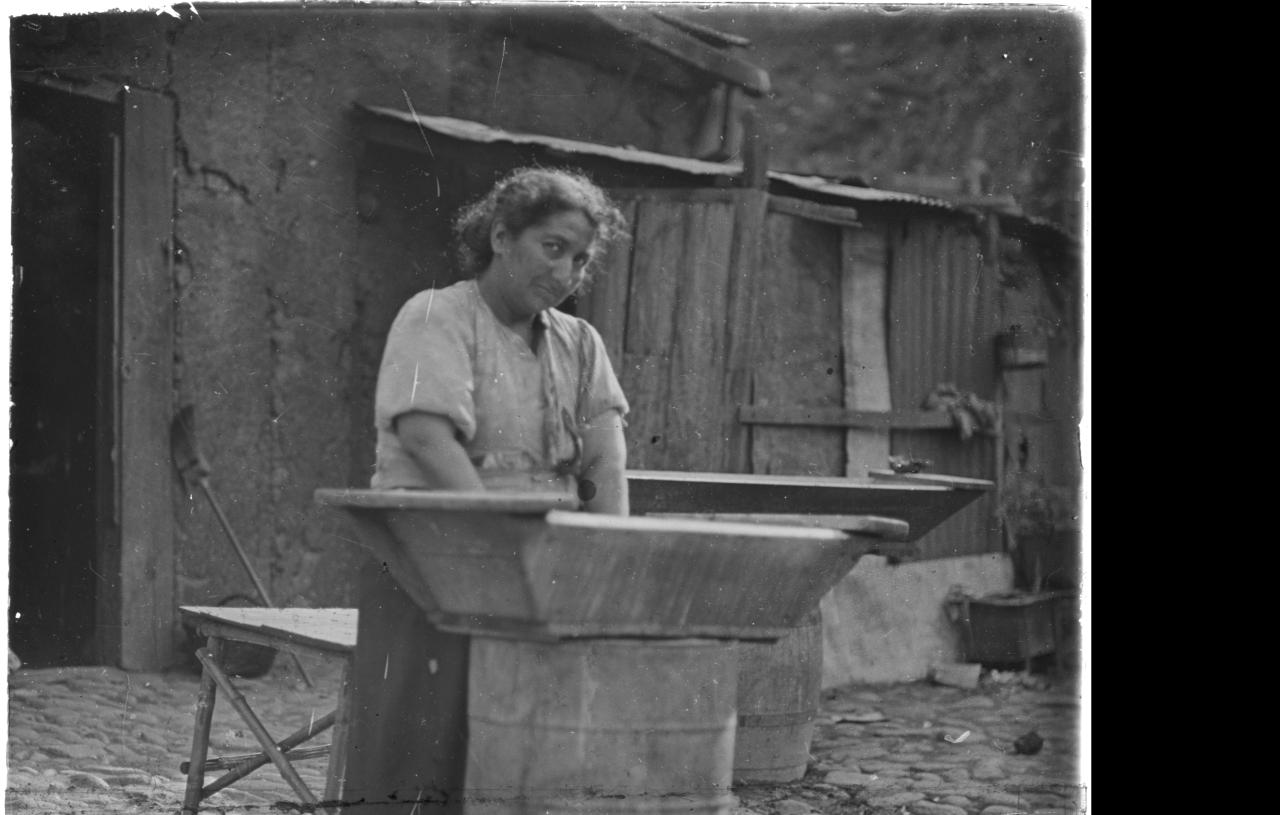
(581, 260)
(553, 247)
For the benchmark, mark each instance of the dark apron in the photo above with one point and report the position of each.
(408, 734)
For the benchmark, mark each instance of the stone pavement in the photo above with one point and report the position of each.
(101, 741)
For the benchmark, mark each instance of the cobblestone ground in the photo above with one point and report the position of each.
(100, 741)
(937, 751)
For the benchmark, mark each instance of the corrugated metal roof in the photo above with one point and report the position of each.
(476, 132)
(826, 186)
(484, 134)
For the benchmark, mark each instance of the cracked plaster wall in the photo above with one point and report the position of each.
(268, 269)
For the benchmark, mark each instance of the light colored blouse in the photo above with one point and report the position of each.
(514, 409)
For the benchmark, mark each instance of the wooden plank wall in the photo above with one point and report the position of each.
(799, 356)
(942, 316)
(604, 301)
(673, 349)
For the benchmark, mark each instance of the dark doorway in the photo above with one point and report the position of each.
(61, 419)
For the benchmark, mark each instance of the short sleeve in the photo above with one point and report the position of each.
(600, 390)
(427, 364)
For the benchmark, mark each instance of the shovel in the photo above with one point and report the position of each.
(193, 469)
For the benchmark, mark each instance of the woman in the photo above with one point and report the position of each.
(483, 384)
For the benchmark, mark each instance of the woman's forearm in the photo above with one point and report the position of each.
(603, 481)
(430, 439)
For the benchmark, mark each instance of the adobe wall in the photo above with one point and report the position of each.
(270, 275)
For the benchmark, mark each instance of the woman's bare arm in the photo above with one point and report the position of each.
(432, 441)
(604, 471)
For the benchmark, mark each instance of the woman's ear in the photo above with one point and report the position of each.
(498, 237)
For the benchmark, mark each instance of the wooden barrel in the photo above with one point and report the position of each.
(601, 726)
(778, 688)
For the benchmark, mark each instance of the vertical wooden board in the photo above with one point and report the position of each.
(798, 351)
(644, 380)
(655, 265)
(655, 262)
(108, 638)
(146, 382)
(864, 292)
(940, 332)
(749, 210)
(604, 303)
(695, 408)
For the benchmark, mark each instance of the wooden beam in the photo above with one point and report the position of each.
(878, 420)
(823, 213)
(708, 35)
(665, 38)
(586, 38)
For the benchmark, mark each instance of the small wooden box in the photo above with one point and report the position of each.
(1008, 628)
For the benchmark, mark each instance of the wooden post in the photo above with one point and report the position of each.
(746, 259)
(864, 287)
(755, 152)
(144, 281)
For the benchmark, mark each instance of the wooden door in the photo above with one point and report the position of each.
(92, 516)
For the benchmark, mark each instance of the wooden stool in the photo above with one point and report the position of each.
(325, 631)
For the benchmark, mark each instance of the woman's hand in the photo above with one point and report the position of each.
(603, 481)
(432, 441)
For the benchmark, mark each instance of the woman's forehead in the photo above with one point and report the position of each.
(570, 224)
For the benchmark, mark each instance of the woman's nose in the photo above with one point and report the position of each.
(565, 271)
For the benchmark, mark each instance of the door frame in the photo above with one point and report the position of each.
(136, 617)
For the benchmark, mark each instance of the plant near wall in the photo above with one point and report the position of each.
(1041, 522)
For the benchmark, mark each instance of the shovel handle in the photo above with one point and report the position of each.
(248, 567)
(235, 544)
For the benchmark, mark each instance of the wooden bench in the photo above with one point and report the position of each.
(324, 631)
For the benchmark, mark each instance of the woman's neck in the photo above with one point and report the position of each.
(522, 325)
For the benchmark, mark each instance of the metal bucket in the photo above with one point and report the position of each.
(778, 688)
(601, 726)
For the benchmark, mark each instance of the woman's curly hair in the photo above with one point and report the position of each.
(525, 197)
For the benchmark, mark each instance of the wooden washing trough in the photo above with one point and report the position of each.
(525, 565)
(923, 501)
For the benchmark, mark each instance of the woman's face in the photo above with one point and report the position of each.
(540, 267)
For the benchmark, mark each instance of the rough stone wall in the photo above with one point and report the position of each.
(269, 274)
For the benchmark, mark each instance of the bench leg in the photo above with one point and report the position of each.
(200, 739)
(262, 759)
(264, 738)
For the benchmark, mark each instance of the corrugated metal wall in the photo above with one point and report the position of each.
(942, 317)
(663, 308)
